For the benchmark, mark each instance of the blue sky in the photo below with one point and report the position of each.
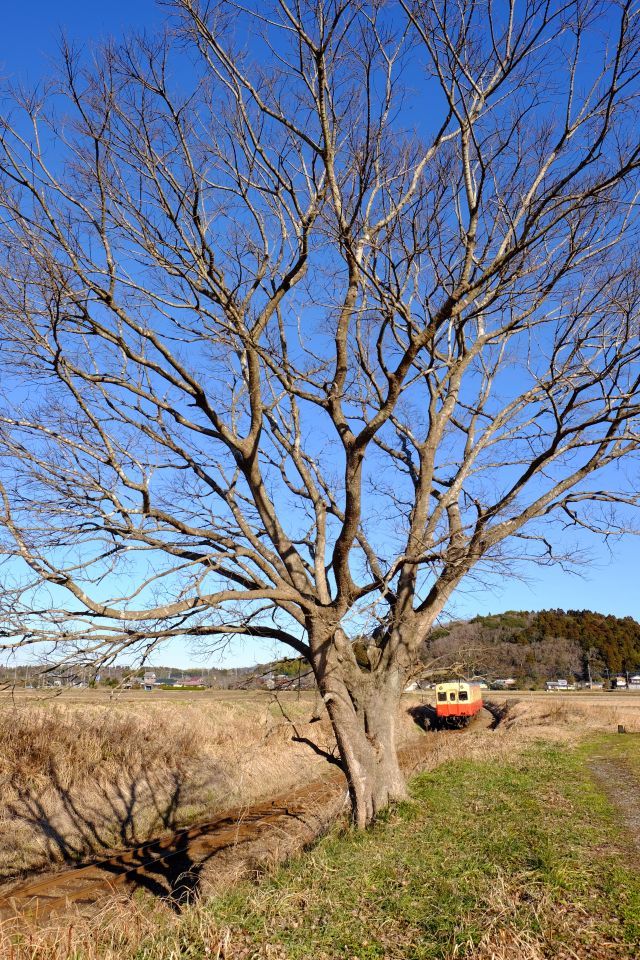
(609, 584)
(31, 31)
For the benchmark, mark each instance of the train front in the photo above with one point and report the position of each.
(457, 702)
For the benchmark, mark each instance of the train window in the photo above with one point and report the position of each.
(463, 695)
(452, 695)
(442, 696)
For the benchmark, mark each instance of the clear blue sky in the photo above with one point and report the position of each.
(31, 32)
(28, 47)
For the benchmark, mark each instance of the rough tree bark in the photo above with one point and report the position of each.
(363, 705)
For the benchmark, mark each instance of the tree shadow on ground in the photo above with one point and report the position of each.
(72, 830)
(171, 868)
(65, 824)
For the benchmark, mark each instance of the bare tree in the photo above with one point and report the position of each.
(308, 309)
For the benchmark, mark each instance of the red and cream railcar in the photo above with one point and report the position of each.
(457, 702)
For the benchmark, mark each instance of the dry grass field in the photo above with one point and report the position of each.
(83, 773)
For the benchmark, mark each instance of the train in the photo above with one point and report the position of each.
(457, 702)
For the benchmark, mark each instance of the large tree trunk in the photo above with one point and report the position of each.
(363, 712)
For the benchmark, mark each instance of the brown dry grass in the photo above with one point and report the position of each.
(37, 742)
(566, 719)
(78, 779)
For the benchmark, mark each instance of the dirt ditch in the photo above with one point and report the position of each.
(211, 855)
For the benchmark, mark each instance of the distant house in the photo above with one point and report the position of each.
(634, 682)
(148, 680)
(56, 680)
(193, 682)
(504, 683)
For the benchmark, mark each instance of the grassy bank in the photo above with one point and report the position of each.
(526, 859)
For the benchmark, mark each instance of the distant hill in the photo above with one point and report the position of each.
(533, 647)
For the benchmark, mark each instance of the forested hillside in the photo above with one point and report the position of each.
(538, 646)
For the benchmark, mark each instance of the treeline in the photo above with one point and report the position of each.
(615, 640)
(539, 646)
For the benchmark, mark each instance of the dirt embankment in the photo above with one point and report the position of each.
(217, 852)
